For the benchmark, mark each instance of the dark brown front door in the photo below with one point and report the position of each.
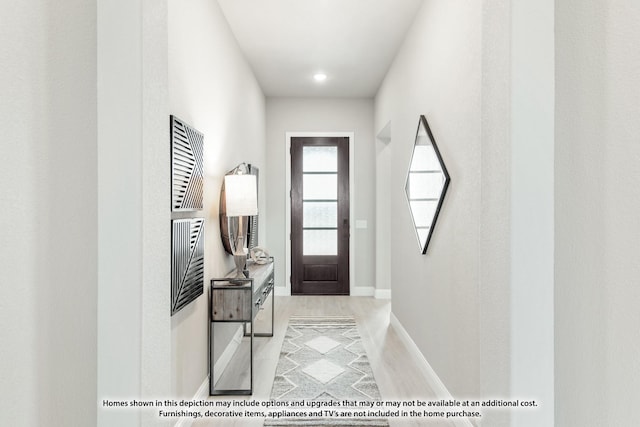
(320, 216)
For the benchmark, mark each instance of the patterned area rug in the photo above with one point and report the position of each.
(322, 359)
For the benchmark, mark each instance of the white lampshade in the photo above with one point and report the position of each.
(241, 195)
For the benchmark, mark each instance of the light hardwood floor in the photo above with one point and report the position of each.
(397, 375)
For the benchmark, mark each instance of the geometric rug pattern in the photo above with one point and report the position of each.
(322, 358)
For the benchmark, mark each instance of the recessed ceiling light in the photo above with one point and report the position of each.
(320, 77)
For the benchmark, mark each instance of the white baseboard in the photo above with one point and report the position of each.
(202, 393)
(433, 379)
(362, 291)
(383, 294)
(356, 291)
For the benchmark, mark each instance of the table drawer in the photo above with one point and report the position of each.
(261, 294)
(231, 304)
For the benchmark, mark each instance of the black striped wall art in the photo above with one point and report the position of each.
(187, 261)
(186, 166)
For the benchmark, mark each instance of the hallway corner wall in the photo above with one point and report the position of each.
(495, 255)
(48, 302)
(597, 203)
(134, 341)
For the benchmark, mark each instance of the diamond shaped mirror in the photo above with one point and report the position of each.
(427, 183)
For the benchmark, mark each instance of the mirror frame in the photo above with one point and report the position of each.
(423, 122)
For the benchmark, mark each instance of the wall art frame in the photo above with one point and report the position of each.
(187, 166)
(187, 262)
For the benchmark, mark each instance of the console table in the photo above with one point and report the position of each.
(233, 300)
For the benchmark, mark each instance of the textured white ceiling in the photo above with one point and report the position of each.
(287, 41)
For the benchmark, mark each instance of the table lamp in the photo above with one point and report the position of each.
(241, 202)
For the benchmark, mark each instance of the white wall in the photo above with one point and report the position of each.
(84, 99)
(495, 213)
(133, 208)
(48, 288)
(212, 88)
(383, 209)
(597, 204)
(323, 115)
(532, 208)
(438, 73)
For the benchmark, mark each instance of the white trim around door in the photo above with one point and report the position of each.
(287, 154)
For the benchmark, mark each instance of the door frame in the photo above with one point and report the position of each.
(287, 190)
